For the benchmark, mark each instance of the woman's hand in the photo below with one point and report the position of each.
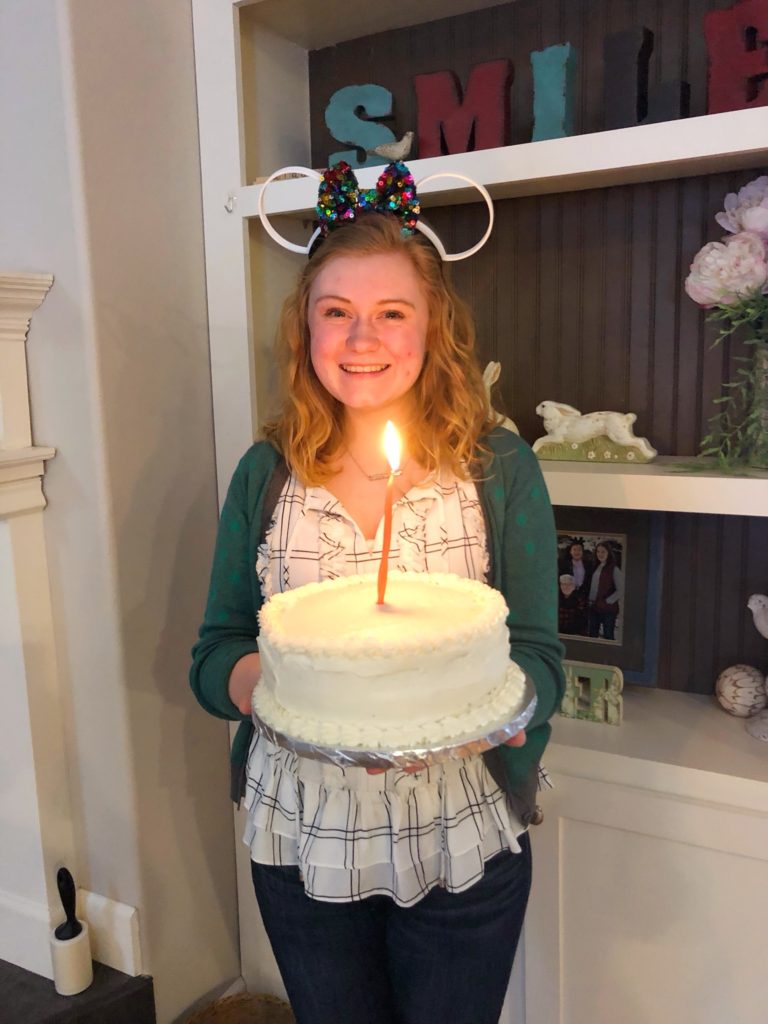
(242, 680)
(514, 741)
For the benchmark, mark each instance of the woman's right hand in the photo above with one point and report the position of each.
(242, 680)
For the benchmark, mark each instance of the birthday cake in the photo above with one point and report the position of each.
(429, 666)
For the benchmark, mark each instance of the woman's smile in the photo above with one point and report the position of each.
(379, 368)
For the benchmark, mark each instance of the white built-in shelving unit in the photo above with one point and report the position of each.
(677, 798)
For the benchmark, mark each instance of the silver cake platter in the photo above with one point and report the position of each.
(494, 735)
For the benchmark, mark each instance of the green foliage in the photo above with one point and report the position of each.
(739, 428)
(750, 311)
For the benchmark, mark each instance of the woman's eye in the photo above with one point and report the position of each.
(334, 312)
(393, 314)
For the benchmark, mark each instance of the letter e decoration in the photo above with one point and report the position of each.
(737, 46)
(449, 124)
(342, 117)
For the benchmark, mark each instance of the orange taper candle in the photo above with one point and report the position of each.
(392, 449)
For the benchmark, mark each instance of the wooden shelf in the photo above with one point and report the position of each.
(663, 728)
(673, 149)
(663, 485)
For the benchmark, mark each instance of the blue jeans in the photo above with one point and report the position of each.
(448, 958)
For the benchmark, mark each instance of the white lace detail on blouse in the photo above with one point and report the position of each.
(353, 834)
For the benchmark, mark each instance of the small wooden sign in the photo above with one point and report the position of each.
(593, 692)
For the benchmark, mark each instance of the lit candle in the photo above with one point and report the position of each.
(392, 450)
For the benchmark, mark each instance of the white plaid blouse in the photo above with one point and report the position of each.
(353, 834)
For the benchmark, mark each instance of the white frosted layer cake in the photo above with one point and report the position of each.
(429, 665)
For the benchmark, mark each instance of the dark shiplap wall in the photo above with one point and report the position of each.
(712, 565)
(580, 296)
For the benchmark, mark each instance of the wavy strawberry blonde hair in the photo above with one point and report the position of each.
(449, 394)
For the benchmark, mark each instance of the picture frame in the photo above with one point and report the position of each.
(592, 631)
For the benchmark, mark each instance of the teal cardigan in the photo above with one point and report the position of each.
(523, 567)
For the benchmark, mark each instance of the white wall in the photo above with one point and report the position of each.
(99, 185)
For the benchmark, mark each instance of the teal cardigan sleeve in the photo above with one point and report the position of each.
(230, 625)
(524, 569)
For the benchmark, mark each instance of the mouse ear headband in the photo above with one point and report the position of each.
(340, 200)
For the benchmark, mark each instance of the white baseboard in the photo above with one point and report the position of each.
(25, 934)
(114, 929)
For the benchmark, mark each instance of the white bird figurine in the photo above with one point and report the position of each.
(758, 605)
(394, 150)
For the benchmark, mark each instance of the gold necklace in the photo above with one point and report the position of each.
(376, 476)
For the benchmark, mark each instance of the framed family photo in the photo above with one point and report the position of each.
(609, 568)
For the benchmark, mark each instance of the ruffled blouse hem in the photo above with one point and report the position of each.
(405, 887)
(349, 832)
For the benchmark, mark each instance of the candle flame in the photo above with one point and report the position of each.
(392, 445)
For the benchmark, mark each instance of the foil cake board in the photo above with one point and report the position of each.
(493, 735)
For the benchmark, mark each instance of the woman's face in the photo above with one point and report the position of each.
(601, 553)
(577, 552)
(368, 320)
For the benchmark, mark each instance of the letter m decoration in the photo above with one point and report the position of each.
(448, 123)
(737, 45)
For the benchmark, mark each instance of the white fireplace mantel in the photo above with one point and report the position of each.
(21, 463)
(20, 295)
(36, 801)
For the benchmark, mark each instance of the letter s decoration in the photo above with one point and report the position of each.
(342, 117)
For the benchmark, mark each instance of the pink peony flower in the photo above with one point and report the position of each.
(755, 219)
(746, 210)
(723, 272)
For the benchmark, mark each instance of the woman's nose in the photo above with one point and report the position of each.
(362, 336)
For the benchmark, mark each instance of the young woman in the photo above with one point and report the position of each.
(604, 592)
(394, 896)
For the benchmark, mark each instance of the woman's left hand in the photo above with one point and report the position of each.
(514, 741)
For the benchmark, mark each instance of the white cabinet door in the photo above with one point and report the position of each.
(647, 908)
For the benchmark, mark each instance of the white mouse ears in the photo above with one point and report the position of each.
(340, 200)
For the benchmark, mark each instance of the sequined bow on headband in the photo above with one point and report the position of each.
(340, 199)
